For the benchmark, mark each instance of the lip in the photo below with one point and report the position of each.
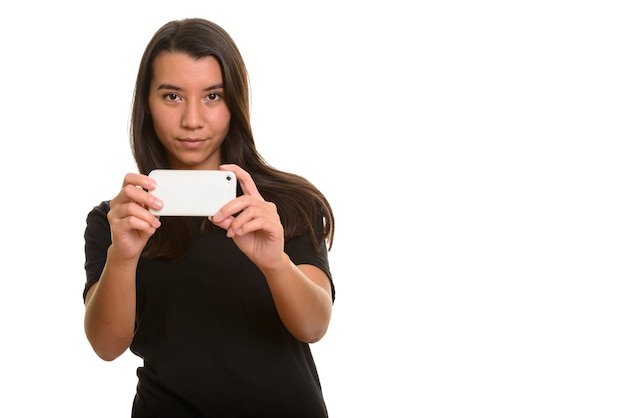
(191, 142)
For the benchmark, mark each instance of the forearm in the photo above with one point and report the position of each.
(110, 308)
(303, 301)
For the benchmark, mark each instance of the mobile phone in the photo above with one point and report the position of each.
(193, 192)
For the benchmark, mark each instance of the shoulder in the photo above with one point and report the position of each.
(103, 207)
(97, 216)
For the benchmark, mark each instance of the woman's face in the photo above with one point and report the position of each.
(187, 106)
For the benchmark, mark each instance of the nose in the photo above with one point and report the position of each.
(193, 116)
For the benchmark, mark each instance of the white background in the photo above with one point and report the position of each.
(473, 153)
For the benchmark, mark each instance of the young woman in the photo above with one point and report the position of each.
(221, 309)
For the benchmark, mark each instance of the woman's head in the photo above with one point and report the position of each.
(196, 38)
(299, 202)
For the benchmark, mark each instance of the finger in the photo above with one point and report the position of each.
(256, 224)
(133, 211)
(223, 223)
(139, 180)
(134, 188)
(247, 212)
(258, 217)
(236, 207)
(133, 193)
(244, 179)
(122, 225)
(140, 224)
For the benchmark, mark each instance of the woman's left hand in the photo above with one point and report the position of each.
(257, 229)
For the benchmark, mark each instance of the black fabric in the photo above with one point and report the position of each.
(209, 333)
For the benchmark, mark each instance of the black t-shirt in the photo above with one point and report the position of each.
(209, 334)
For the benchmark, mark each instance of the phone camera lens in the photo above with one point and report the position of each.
(227, 178)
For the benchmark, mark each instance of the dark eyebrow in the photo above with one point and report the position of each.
(166, 86)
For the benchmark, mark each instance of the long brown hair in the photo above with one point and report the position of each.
(299, 203)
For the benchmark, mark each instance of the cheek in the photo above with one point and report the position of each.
(159, 129)
(221, 119)
(157, 122)
(162, 121)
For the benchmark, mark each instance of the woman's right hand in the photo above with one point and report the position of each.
(132, 223)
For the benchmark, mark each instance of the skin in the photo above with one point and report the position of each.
(191, 121)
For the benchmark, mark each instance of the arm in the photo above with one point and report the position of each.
(110, 303)
(302, 294)
(110, 308)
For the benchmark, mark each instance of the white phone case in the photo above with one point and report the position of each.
(193, 192)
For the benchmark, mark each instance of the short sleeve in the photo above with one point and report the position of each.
(97, 242)
(300, 250)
